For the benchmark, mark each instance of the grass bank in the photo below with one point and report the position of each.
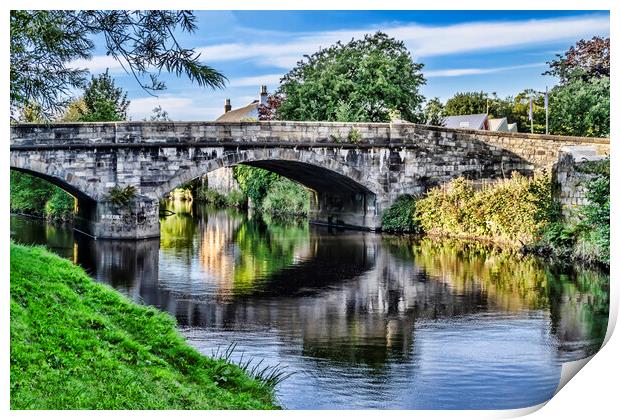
(76, 344)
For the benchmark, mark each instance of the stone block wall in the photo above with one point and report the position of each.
(569, 178)
(357, 169)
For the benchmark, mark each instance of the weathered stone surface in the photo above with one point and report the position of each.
(571, 182)
(353, 181)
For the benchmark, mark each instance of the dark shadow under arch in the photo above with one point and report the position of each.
(320, 173)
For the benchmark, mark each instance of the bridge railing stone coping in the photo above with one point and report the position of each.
(148, 132)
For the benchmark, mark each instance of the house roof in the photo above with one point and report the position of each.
(472, 122)
(238, 114)
(498, 124)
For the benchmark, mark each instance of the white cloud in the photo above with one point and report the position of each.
(178, 107)
(265, 79)
(421, 40)
(98, 64)
(475, 71)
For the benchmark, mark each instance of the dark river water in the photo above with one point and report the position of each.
(363, 320)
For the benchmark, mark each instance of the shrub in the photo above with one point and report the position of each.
(254, 182)
(60, 207)
(121, 196)
(400, 217)
(237, 199)
(211, 196)
(513, 210)
(286, 197)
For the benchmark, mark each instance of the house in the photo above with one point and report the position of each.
(498, 124)
(480, 122)
(245, 113)
(470, 122)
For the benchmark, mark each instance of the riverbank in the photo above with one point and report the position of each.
(76, 344)
(520, 213)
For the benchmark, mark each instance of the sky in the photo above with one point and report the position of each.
(494, 51)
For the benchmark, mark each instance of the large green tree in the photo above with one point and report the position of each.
(103, 100)
(434, 112)
(580, 104)
(46, 43)
(369, 79)
(466, 103)
(580, 108)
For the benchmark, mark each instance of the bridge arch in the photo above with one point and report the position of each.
(56, 175)
(316, 171)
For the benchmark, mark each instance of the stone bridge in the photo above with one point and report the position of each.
(355, 170)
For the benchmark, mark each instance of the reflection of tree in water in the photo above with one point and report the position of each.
(178, 230)
(577, 299)
(579, 306)
(267, 246)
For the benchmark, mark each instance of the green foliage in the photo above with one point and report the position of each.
(514, 109)
(465, 103)
(401, 217)
(580, 108)
(46, 43)
(76, 344)
(29, 194)
(434, 112)
(362, 80)
(60, 207)
(512, 210)
(103, 100)
(354, 136)
(37, 197)
(585, 236)
(254, 182)
(121, 196)
(286, 197)
(236, 199)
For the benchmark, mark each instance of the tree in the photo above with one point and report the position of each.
(362, 80)
(520, 108)
(579, 104)
(466, 103)
(434, 112)
(580, 108)
(159, 114)
(103, 101)
(268, 112)
(74, 111)
(587, 60)
(46, 43)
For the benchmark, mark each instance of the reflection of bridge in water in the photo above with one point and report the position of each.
(346, 296)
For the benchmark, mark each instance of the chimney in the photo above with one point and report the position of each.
(263, 95)
(227, 106)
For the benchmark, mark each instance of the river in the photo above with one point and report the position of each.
(362, 320)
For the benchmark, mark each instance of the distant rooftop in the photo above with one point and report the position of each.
(471, 122)
(250, 111)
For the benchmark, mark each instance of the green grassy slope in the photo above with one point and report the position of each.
(76, 344)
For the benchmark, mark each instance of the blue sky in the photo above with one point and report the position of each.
(494, 51)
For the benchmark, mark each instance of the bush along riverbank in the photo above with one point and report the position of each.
(76, 344)
(517, 212)
(36, 197)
